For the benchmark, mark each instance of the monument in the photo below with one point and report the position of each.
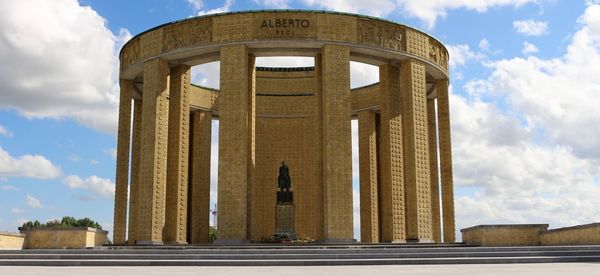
(266, 115)
(284, 220)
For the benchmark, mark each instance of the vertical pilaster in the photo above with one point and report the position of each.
(122, 171)
(234, 143)
(251, 130)
(369, 209)
(337, 149)
(391, 186)
(178, 156)
(433, 170)
(153, 157)
(441, 87)
(135, 173)
(200, 182)
(416, 151)
(319, 148)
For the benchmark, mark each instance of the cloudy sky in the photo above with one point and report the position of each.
(525, 94)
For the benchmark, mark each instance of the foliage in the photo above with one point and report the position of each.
(277, 238)
(65, 222)
(212, 234)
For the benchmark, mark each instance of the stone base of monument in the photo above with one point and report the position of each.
(284, 220)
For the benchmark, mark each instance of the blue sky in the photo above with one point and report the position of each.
(524, 101)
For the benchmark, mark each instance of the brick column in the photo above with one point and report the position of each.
(337, 148)
(441, 87)
(122, 174)
(135, 172)
(200, 181)
(433, 170)
(178, 156)
(369, 199)
(416, 151)
(153, 157)
(391, 186)
(235, 142)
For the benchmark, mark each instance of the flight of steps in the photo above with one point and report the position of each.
(279, 255)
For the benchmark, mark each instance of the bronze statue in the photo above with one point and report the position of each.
(284, 184)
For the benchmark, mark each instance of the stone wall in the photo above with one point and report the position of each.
(575, 235)
(63, 238)
(503, 235)
(11, 240)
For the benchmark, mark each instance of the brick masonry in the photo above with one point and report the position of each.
(122, 172)
(300, 116)
(178, 155)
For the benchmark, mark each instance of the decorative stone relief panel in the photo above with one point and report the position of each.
(381, 34)
(187, 34)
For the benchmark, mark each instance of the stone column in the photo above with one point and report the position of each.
(153, 157)
(122, 174)
(433, 170)
(135, 172)
(200, 182)
(369, 199)
(178, 156)
(391, 187)
(416, 151)
(441, 87)
(337, 148)
(235, 142)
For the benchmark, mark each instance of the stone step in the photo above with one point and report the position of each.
(301, 262)
(298, 255)
(288, 256)
(293, 250)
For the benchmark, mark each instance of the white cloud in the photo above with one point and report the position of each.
(484, 44)
(196, 4)
(461, 54)
(536, 158)
(529, 48)
(362, 74)
(559, 95)
(112, 152)
(531, 27)
(225, 8)
(207, 75)
(34, 202)
(279, 4)
(62, 55)
(5, 132)
(9, 188)
(17, 211)
(427, 11)
(30, 166)
(94, 184)
(430, 10)
(373, 7)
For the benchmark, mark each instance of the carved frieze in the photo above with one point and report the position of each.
(381, 34)
(131, 53)
(187, 34)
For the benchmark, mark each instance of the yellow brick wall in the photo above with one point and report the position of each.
(11, 240)
(416, 151)
(67, 238)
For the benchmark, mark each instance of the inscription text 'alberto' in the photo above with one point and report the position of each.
(285, 26)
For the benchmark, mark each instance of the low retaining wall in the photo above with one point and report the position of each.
(503, 235)
(60, 238)
(574, 235)
(11, 240)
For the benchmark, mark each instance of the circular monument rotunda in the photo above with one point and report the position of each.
(298, 115)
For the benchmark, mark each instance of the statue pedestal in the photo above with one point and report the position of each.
(284, 220)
